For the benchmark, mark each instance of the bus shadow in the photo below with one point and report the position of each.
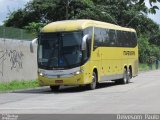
(47, 90)
(40, 90)
(111, 84)
(66, 89)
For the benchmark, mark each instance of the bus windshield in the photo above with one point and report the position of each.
(59, 50)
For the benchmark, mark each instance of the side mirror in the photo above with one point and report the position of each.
(84, 43)
(34, 42)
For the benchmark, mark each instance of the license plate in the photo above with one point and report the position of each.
(59, 81)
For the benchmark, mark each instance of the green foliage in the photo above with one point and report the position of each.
(152, 9)
(34, 27)
(122, 12)
(143, 67)
(15, 85)
(143, 49)
(154, 52)
(16, 19)
(155, 39)
(128, 13)
(147, 52)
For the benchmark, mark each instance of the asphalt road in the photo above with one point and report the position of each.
(142, 95)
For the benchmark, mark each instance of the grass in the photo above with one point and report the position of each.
(145, 67)
(17, 85)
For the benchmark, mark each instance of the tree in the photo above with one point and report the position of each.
(16, 19)
(46, 11)
(147, 50)
(128, 13)
(155, 39)
(35, 11)
(153, 7)
(34, 27)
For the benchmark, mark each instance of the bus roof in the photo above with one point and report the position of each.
(72, 25)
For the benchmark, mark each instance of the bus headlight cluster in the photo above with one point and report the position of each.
(78, 72)
(41, 73)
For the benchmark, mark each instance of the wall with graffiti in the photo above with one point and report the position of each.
(17, 60)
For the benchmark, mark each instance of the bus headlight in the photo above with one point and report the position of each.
(78, 72)
(41, 73)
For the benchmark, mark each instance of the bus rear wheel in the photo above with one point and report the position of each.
(130, 73)
(126, 77)
(54, 88)
(93, 84)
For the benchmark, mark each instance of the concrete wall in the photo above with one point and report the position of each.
(17, 60)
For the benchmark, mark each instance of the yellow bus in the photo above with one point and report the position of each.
(86, 52)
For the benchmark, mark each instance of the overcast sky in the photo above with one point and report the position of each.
(7, 6)
(155, 17)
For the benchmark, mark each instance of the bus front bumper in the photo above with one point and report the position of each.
(73, 80)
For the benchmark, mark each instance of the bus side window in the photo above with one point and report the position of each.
(103, 34)
(119, 38)
(126, 39)
(134, 39)
(124, 42)
(130, 39)
(112, 38)
(98, 41)
(105, 37)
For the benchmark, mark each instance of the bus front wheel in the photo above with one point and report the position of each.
(54, 88)
(93, 84)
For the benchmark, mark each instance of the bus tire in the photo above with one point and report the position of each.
(93, 84)
(129, 76)
(54, 88)
(130, 73)
(118, 81)
(126, 77)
